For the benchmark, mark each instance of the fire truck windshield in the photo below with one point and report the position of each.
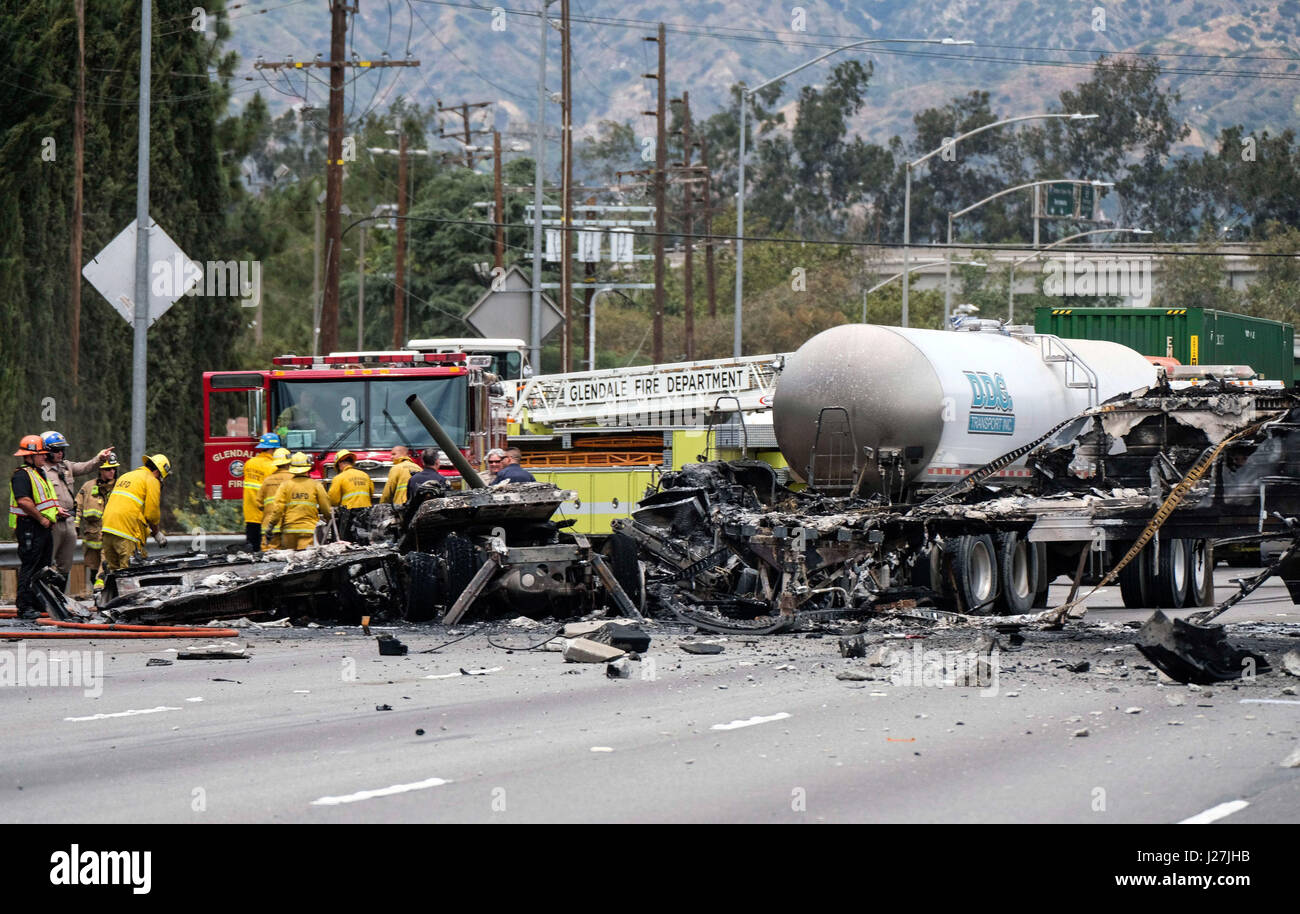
(365, 414)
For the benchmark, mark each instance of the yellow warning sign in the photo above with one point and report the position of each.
(1196, 349)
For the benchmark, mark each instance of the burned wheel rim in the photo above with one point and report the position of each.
(1178, 565)
(981, 573)
(1019, 583)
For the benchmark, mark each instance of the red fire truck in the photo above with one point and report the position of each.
(353, 400)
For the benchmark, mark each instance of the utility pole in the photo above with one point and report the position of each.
(709, 278)
(688, 229)
(329, 318)
(315, 285)
(399, 260)
(660, 183)
(78, 173)
(539, 153)
(465, 134)
(498, 201)
(329, 315)
(361, 289)
(399, 254)
(139, 360)
(566, 191)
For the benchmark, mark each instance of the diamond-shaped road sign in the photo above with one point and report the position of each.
(505, 310)
(112, 272)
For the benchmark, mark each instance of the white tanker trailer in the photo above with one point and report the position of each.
(863, 409)
(893, 410)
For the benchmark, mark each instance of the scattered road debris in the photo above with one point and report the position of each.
(389, 646)
(619, 669)
(158, 661)
(1292, 760)
(1194, 653)
(624, 637)
(853, 676)
(855, 646)
(701, 647)
(1291, 662)
(1081, 733)
(584, 650)
(214, 652)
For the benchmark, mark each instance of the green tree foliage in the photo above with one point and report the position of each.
(194, 185)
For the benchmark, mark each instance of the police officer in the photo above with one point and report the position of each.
(61, 475)
(33, 510)
(90, 517)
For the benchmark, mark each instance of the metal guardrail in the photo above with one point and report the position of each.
(176, 545)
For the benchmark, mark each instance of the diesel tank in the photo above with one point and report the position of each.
(889, 408)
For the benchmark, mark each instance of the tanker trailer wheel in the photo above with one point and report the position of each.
(1169, 584)
(1135, 584)
(1200, 573)
(626, 566)
(423, 586)
(463, 562)
(1044, 576)
(975, 568)
(1020, 572)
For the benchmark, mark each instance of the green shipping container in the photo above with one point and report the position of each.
(1194, 336)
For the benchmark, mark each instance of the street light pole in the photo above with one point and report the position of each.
(919, 266)
(947, 293)
(1011, 270)
(745, 95)
(907, 182)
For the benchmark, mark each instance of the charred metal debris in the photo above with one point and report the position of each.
(1136, 490)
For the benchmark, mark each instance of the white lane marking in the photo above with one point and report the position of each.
(601, 749)
(737, 724)
(1214, 813)
(381, 792)
(194, 699)
(1268, 701)
(132, 713)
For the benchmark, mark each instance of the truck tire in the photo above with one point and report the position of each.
(1019, 572)
(463, 562)
(1169, 583)
(625, 564)
(1135, 580)
(1045, 577)
(424, 591)
(975, 568)
(1200, 573)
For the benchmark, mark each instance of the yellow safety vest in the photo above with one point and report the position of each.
(47, 502)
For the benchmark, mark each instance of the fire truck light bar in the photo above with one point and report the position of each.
(369, 358)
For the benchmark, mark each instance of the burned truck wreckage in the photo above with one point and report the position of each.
(493, 550)
(884, 512)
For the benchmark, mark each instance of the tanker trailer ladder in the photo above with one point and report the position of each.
(1054, 349)
(1247, 586)
(1167, 507)
(835, 456)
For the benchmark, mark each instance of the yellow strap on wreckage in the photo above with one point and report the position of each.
(1167, 508)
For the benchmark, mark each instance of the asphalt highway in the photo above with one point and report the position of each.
(763, 732)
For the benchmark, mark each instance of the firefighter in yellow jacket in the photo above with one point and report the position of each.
(395, 488)
(270, 486)
(90, 516)
(299, 504)
(351, 488)
(257, 468)
(133, 512)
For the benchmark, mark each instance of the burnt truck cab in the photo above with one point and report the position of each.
(321, 405)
